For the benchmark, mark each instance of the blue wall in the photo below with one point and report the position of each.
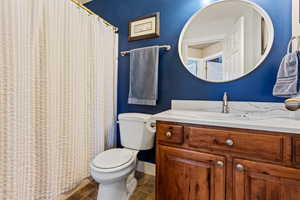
(175, 82)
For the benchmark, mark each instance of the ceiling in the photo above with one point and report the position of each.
(84, 1)
(202, 46)
(217, 19)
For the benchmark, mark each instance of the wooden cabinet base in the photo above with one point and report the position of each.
(265, 181)
(212, 163)
(188, 175)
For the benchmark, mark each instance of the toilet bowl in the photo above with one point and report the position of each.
(114, 169)
(111, 169)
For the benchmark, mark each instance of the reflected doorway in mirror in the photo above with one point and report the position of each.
(238, 33)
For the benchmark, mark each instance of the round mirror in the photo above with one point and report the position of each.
(226, 40)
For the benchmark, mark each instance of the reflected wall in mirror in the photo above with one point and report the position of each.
(226, 40)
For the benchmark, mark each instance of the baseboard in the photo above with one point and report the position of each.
(146, 168)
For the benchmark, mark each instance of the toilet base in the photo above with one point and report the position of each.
(131, 183)
(113, 191)
(120, 190)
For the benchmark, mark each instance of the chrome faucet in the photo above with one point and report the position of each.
(225, 108)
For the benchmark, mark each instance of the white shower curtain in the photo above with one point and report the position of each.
(57, 96)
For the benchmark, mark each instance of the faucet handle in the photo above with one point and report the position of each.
(225, 96)
(225, 103)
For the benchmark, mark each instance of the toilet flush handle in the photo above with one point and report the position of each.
(151, 126)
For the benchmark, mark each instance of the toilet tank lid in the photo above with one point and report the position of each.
(135, 116)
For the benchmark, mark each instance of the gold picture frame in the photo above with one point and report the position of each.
(144, 27)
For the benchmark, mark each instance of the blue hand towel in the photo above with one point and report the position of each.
(144, 76)
(287, 83)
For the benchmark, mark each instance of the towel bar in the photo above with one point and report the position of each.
(166, 47)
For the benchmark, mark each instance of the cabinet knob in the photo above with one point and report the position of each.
(168, 134)
(229, 142)
(220, 163)
(240, 167)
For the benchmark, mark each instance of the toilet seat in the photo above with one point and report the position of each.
(113, 160)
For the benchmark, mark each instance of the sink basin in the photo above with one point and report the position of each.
(204, 115)
(244, 115)
(219, 116)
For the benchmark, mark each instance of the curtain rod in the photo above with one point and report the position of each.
(166, 47)
(92, 13)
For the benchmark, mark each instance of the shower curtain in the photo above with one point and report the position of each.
(57, 96)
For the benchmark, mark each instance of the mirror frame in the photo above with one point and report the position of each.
(259, 9)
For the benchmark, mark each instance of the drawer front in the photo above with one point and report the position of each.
(170, 133)
(296, 151)
(259, 145)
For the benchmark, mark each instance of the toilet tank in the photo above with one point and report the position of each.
(136, 131)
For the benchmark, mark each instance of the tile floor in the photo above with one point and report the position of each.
(144, 191)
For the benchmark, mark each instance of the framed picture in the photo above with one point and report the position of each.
(144, 27)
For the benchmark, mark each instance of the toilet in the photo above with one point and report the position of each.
(114, 169)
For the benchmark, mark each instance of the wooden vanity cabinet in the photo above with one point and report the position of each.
(185, 174)
(212, 163)
(296, 151)
(256, 180)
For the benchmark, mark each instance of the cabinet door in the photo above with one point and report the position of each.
(261, 181)
(189, 175)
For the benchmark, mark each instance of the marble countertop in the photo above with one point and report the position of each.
(265, 116)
